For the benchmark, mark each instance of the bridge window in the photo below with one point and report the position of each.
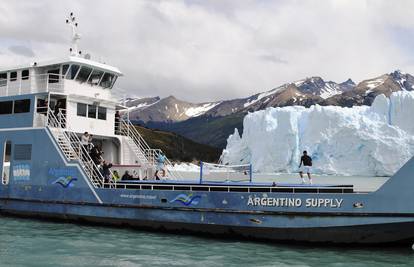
(53, 76)
(25, 74)
(22, 106)
(65, 69)
(101, 113)
(108, 80)
(83, 74)
(13, 76)
(95, 77)
(81, 110)
(3, 79)
(92, 111)
(72, 72)
(5, 177)
(6, 107)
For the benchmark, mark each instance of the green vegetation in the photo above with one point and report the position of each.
(179, 148)
(212, 131)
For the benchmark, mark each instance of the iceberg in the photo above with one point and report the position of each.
(371, 140)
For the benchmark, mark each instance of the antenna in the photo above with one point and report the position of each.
(71, 21)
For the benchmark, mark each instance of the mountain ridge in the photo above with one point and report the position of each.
(189, 119)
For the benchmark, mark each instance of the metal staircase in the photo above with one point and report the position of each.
(73, 149)
(146, 155)
(64, 144)
(142, 159)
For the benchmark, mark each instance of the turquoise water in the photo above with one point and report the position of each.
(25, 242)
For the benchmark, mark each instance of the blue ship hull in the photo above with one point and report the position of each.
(307, 227)
(58, 188)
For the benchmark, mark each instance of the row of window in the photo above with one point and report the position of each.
(71, 72)
(12, 77)
(16, 106)
(88, 75)
(91, 111)
(23, 106)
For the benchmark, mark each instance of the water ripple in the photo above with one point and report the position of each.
(39, 243)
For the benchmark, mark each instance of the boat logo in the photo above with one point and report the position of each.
(187, 200)
(65, 182)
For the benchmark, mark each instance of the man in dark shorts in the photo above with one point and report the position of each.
(305, 166)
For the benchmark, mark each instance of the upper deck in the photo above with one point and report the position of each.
(72, 75)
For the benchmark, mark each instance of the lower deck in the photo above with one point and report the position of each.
(360, 183)
(287, 183)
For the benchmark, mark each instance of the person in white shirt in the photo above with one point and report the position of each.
(85, 141)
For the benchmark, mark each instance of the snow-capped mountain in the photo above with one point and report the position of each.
(136, 104)
(366, 91)
(304, 92)
(405, 80)
(169, 109)
(317, 86)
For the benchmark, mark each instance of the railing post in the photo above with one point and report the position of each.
(47, 109)
(251, 172)
(201, 172)
(47, 82)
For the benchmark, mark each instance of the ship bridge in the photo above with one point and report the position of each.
(80, 88)
(72, 75)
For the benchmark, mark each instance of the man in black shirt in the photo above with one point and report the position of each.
(305, 166)
(126, 176)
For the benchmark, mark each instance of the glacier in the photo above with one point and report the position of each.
(371, 140)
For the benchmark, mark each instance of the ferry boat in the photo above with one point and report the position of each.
(45, 107)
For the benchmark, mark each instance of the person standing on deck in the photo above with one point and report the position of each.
(106, 173)
(95, 155)
(160, 166)
(57, 108)
(90, 142)
(85, 141)
(305, 165)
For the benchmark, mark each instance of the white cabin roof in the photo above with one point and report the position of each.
(67, 60)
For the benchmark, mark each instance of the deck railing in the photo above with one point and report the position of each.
(48, 82)
(249, 188)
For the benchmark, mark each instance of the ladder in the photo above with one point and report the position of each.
(142, 150)
(142, 159)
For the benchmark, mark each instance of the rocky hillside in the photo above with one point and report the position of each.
(178, 148)
(365, 92)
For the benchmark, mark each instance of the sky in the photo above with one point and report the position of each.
(213, 50)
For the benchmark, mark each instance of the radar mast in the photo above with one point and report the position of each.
(71, 21)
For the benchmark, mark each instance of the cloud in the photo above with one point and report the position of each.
(273, 58)
(210, 50)
(22, 50)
